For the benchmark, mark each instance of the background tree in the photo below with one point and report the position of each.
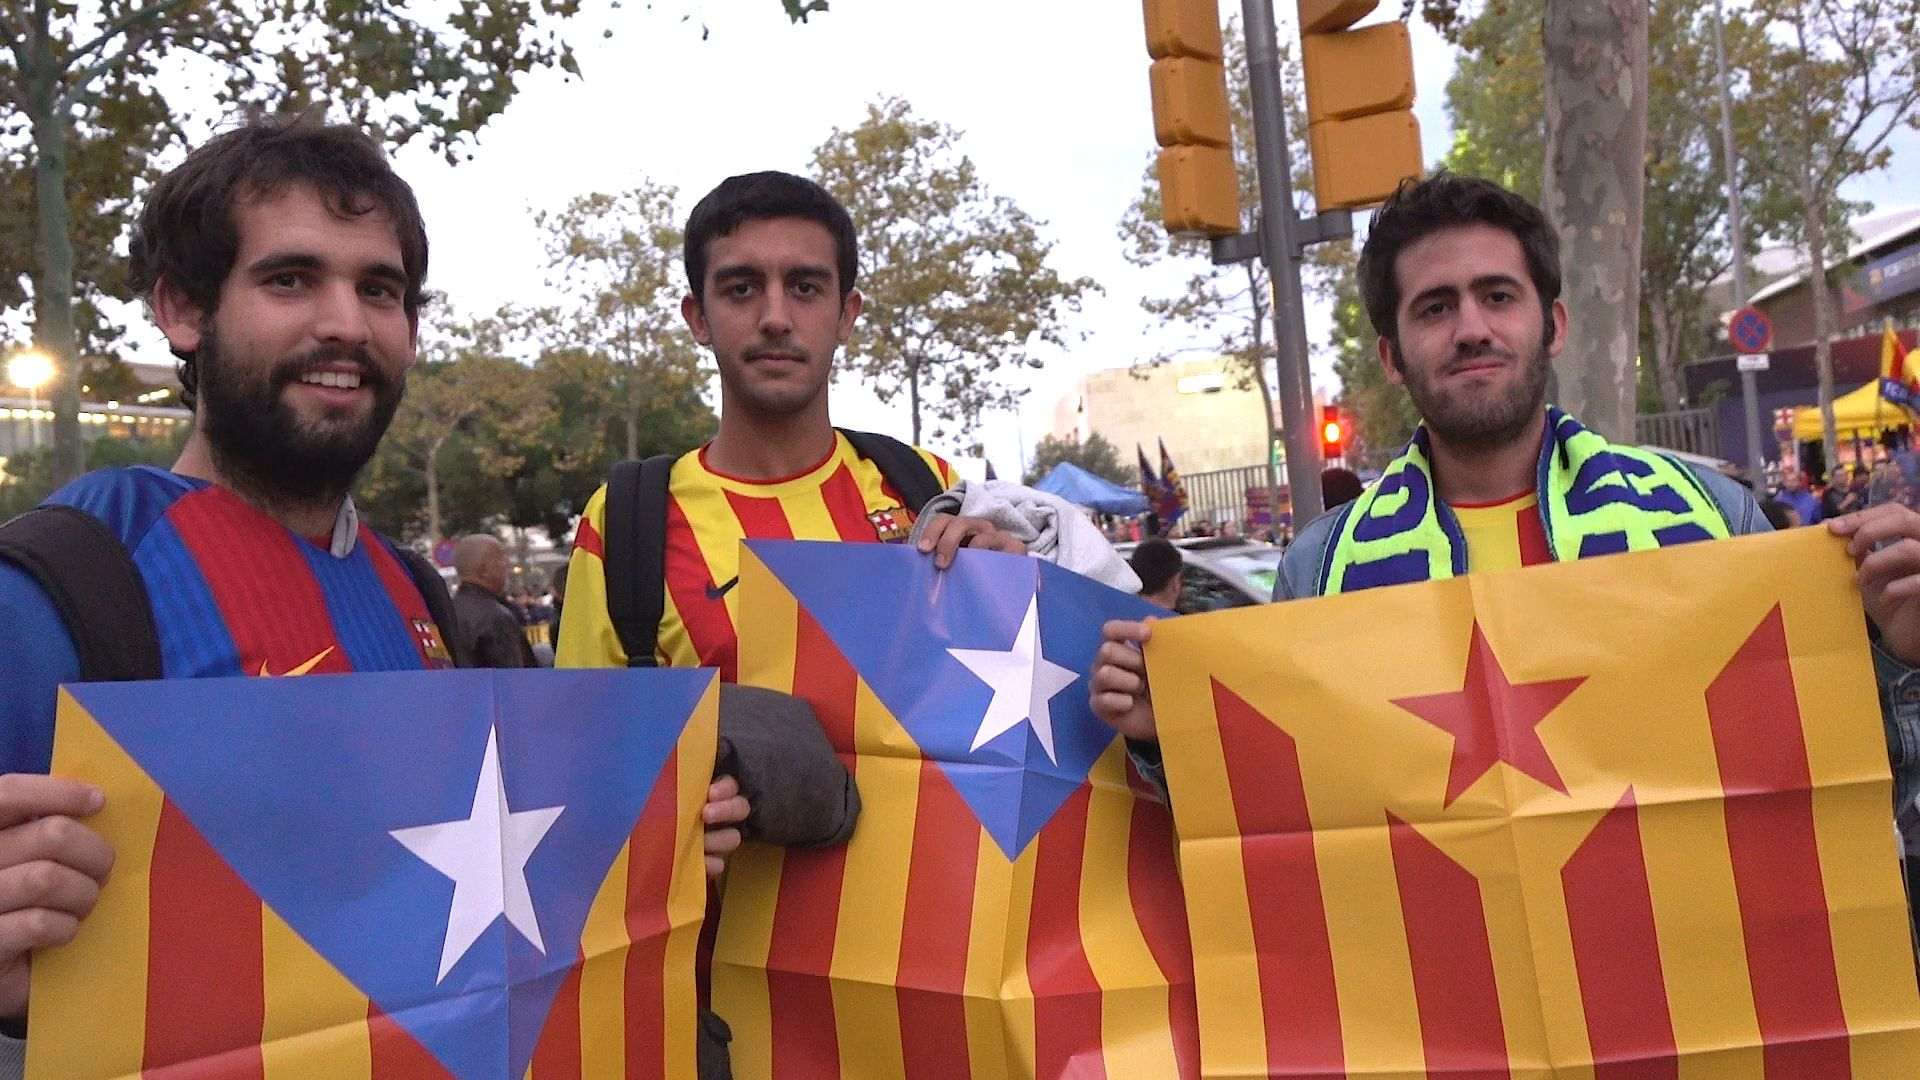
(616, 259)
(1096, 455)
(1497, 101)
(1228, 309)
(958, 290)
(1383, 415)
(1593, 192)
(465, 398)
(88, 78)
(1846, 79)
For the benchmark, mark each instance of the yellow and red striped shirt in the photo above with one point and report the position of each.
(1505, 535)
(843, 497)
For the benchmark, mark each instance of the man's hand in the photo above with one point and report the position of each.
(51, 870)
(726, 808)
(1119, 683)
(947, 534)
(1885, 544)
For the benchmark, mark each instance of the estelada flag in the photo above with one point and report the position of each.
(1008, 906)
(1625, 817)
(410, 874)
(1899, 382)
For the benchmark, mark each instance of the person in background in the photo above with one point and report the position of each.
(490, 634)
(1795, 495)
(1339, 486)
(1779, 514)
(1158, 565)
(1846, 494)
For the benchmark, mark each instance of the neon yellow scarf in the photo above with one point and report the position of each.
(1596, 498)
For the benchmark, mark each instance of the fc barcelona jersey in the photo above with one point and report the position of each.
(234, 592)
(842, 497)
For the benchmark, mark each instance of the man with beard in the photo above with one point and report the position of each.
(1461, 280)
(284, 262)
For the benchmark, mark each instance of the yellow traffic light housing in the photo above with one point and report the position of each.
(1192, 122)
(1361, 129)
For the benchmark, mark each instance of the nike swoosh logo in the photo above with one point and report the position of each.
(302, 669)
(716, 593)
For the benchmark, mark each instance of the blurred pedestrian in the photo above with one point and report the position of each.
(1793, 492)
(492, 633)
(1339, 486)
(1159, 566)
(1847, 493)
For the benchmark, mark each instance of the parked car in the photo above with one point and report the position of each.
(1222, 572)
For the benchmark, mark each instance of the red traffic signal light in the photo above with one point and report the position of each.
(1333, 432)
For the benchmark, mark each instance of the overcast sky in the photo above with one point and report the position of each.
(1051, 97)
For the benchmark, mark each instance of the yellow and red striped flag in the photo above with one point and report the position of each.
(1628, 817)
(1008, 906)
(400, 875)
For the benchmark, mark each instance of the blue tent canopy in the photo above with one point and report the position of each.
(1078, 486)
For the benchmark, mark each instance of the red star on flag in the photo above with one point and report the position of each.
(1493, 720)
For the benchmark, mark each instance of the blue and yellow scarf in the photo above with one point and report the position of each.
(1596, 498)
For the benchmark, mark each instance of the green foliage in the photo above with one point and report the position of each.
(616, 258)
(957, 283)
(27, 479)
(1496, 99)
(82, 117)
(1096, 455)
(1383, 414)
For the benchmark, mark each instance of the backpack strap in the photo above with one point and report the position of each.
(635, 555)
(433, 589)
(901, 464)
(90, 577)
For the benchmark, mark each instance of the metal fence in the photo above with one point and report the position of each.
(1690, 431)
(1220, 496)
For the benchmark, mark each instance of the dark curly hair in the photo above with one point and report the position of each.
(187, 234)
(1445, 200)
(763, 196)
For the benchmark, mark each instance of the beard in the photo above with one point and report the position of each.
(263, 444)
(1479, 421)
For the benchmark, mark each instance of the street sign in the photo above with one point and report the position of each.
(1750, 331)
(1752, 362)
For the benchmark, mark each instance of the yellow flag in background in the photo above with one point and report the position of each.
(1625, 817)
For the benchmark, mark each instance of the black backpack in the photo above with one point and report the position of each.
(90, 577)
(635, 540)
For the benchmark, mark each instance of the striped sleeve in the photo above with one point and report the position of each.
(587, 636)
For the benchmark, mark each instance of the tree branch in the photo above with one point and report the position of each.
(151, 13)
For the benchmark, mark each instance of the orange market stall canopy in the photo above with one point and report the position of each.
(1857, 414)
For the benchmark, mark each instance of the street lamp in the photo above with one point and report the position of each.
(31, 369)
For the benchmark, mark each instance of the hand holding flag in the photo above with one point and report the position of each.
(40, 823)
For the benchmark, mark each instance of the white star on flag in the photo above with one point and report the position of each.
(486, 856)
(1023, 681)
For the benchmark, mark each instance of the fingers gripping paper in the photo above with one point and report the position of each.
(404, 875)
(1627, 817)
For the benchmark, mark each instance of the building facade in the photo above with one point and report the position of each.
(1208, 419)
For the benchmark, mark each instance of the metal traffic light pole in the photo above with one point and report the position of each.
(1280, 247)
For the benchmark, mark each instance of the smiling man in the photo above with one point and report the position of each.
(284, 262)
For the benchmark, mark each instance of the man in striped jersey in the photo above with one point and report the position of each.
(771, 262)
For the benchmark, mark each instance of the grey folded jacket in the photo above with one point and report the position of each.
(800, 793)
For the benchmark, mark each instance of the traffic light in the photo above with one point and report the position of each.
(1360, 125)
(1333, 432)
(1199, 187)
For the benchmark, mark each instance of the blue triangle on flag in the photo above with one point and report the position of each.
(299, 783)
(895, 618)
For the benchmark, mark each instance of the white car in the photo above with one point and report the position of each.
(1222, 572)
